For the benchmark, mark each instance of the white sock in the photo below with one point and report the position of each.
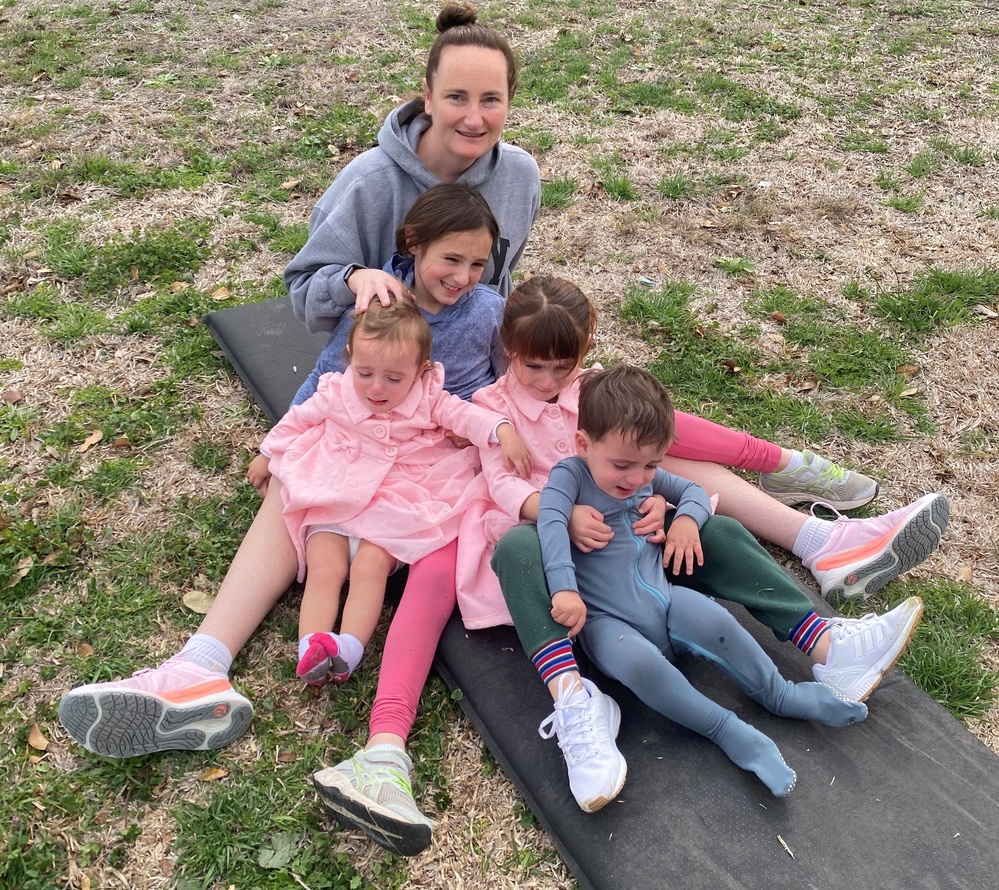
(209, 653)
(796, 462)
(814, 533)
(351, 650)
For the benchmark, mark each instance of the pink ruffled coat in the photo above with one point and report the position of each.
(393, 479)
(549, 432)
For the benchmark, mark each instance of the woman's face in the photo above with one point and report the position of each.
(468, 103)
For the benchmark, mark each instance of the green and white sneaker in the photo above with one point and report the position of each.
(820, 481)
(371, 791)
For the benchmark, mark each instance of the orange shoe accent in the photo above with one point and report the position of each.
(199, 690)
(845, 557)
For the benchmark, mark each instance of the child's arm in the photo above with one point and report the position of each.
(558, 498)
(516, 457)
(477, 424)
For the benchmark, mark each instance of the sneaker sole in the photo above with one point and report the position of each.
(915, 541)
(793, 498)
(614, 721)
(380, 824)
(893, 655)
(125, 723)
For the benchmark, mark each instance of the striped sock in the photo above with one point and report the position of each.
(555, 659)
(806, 632)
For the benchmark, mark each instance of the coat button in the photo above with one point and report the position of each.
(391, 451)
(379, 431)
(562, 447)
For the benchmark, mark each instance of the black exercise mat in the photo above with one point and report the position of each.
(905, 800)
(270, 349)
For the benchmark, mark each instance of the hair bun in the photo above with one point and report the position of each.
(455, 14)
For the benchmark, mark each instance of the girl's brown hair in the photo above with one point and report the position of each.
(443, 210)
(399, 322)
(548, 318)
(458, 25)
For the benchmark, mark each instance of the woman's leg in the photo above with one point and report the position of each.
(849, 558)
(187, 703)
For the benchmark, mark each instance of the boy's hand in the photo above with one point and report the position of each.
(650, 526)
(683, 545)
(569, 610)
(259, 473)
(369, 284)
(587, 529)
(516, 457)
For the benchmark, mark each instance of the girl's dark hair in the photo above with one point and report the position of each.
(458, 25)
(442, 210)
(399, 322)
(548, 318)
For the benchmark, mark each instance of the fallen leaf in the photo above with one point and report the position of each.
(779, 317)
(122, 442)
(198, 601)
(965, 574)
(908, 392)
(37, 740)
(84, 650)
(213, 774)
(84, 882)
(732, 366)
(289, 184)
(178, 286)
(13, 396)
(988, 312)
(91, 441)
(221, 293)
(907, 370)
(280, 852)
(287, 757)
(21, 569)
(133, 273)
(807, 385)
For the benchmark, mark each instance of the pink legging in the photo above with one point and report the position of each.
(429, 596)
(700, 439)
(427, 602)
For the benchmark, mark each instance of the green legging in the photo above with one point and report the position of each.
(736, 568)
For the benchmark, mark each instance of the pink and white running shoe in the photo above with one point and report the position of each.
(862, 555)
(176, 706)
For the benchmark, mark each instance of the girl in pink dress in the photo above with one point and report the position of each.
(366, 464)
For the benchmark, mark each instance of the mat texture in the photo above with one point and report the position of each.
(908, 799)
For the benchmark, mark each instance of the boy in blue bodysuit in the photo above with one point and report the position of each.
(636, 621)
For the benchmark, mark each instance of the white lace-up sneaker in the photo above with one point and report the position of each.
(822, 481)
(586, 724)
(863, 650)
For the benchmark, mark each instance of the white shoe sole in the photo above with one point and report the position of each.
(614, 722)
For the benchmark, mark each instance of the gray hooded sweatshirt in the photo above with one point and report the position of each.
(355, 221)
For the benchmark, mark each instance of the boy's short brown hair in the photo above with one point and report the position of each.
(629, 400)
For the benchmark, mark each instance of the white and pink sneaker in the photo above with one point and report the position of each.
(862, 555)
(176, 706)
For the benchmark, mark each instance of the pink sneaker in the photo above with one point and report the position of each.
(321, 659)
(178, 705)
(862, 555)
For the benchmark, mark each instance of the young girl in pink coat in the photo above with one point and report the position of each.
(368, 457)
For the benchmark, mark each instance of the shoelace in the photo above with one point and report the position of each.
(571, 722)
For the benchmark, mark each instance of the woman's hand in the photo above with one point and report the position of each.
(569, 610)
(370, 284)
